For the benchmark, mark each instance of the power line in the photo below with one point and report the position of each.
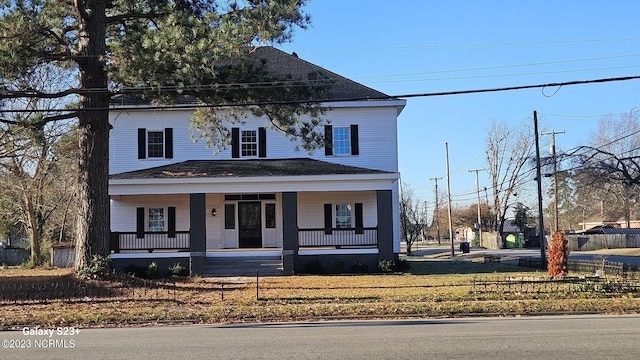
(505, 75)
(498, 67)
(435, 46)
(349, 99)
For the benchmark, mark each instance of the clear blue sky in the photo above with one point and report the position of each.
(420, 46)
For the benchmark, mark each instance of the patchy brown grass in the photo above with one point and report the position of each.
(226, 300)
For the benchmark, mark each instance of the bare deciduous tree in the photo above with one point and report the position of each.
(36, 182)
(413, 217)
(508, 151)
(611, 164)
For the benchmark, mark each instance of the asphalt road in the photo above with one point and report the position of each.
(569, 337)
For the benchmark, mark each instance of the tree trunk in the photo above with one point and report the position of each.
(33, 231)
(92, 226)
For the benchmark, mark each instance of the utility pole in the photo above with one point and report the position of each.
(478, 190)
(453, 253)
(437, 202)
(552, 150)
(543, 245)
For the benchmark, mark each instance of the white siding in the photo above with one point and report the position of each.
(123, 210)
(377, 137)
(376, 127)
(311, 207)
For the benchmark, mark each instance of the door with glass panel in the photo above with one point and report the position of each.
(250, 224)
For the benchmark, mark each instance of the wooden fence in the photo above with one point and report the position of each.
(602, 241)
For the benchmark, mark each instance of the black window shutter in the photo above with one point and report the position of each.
(142, 143)
(328, 140)
(140, 223)
(359, 220)
(168, 143)
(328, 219)
(355, 150)
(235, 142)
(262, 142)
(171, 221)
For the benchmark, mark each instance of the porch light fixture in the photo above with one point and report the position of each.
(214, 212)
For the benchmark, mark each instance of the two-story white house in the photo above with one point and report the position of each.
(260, 200)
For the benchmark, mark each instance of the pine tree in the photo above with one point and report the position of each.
(151, 49)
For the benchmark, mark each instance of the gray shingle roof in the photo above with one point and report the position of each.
(286, 67)
(244, 168)
(281, 65)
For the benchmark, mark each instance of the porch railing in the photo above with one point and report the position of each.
(161, 240)
(367, 236)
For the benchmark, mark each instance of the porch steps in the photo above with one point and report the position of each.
(242, 266)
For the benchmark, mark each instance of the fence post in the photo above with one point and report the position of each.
(257, 285)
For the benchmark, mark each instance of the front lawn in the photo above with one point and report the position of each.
(431, 288)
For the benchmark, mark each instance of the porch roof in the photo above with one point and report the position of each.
(245, 168)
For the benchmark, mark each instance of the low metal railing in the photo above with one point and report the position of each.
(338, 237)
(160, 240)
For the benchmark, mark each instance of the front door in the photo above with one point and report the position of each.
(250, 224)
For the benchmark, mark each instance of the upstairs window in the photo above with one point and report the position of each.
(341, 140)
(155, 144)
(249, 141)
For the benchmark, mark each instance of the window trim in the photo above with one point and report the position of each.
(347, 223)
(166, 143)
(329, 140)
(270, 216)
(342, 146)
(248, 143)
(230, 216)
(356, 217)
(259, 147)
(163, 213)
(159, 144)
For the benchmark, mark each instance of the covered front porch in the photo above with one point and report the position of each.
(298, 219)
(297, 241)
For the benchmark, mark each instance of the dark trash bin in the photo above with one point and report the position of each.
(464, 247)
